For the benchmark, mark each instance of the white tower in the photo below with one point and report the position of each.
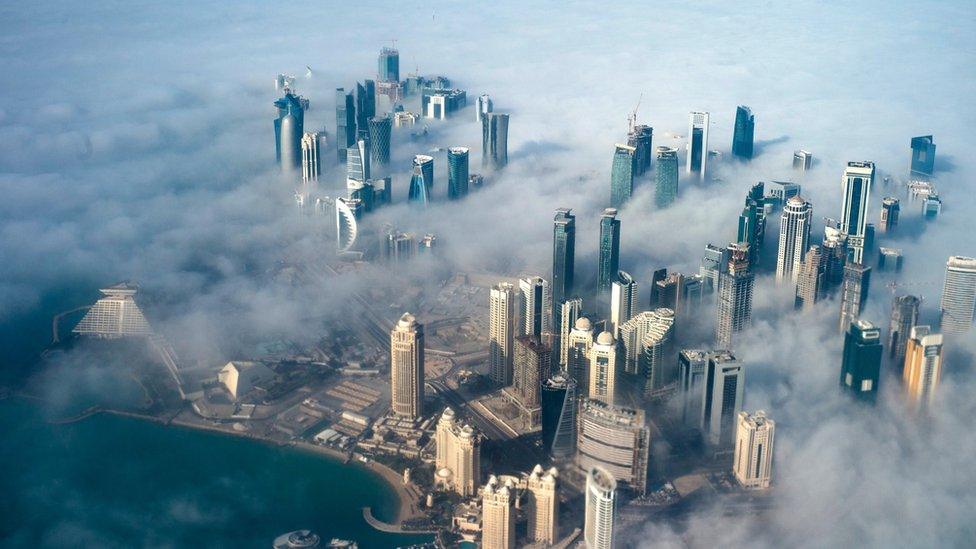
(858, 180)
(697, 146)
(601, 509)
(959, 295)
(794, 238)
(503, 311)
(623, 300)
(752, 462)
(603, 368)
(407, 368)
(536, 306)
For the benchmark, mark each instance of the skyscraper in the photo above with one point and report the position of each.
(498, 514)
(890, 209)
(422, 181)
(958, 295)
(923, 155)
(559, 397)
(389, 65)
(494, 140)
(656, 360)
(345, 122)
(357, 162)
(601, 509)
(484, 106)
(858, 180)
(713, 263)
(609, 252)
(115, 315)
(697, 144)
(614, 438)
(631, 334)
(752, 222)
(604, 366)
(623, 300)
(722, 395)
(536, 306)
(752, 462)
(380, 130)
(570, 311)
(289, 127)
(622, 175)
(854, 293)
(365, 106)
(834, 257)
(543, 505)
(311, 161)
(734, 302)
(532, 367)
(668, 291)
(794, 238)
(861, 365)
(742, 138)
(578, 355)
(923, 367)
(503, 311)
(889, 259)
(407, 368)
(904, 316)
(457, 172)
(802, 160)
(692, 365)
(666, 177)
(348, 213)
(563, 254)
(458, 454)
(640, 138)
(810, 279)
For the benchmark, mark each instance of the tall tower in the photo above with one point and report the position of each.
(503, 311)
(752, 462)
(570, 311)
(563, 254)
(861, 366)
(345, 122)
(923, 367)
(854, 294)
(834, 257)
(622, 175)
(532, 367)
(692, 365)
(713, 263)
(734, 295)
(603, 369)
(457, 172)
(640, 138)
(958, 295)
(802, 160)
(458, 454)
(742, 138)
(601, 509)
(890, 208)
(422, 181)
(536, 306)
(407, 368)
(609, 252)
(494, 140)
(311, 161)
(289, 127)
(357, 163)
(559, 398)
(858, 180)
(389, 65)
(656, 360)
(578, 355)
(752, 222)
(498, 514)
(666, 176)
(794, 238)
(380, 131)
(365, 106)
(623, 300)
(697, 144)
(923, 155)
(483, 107)
(725, 378)
(614, 438)
(543, 508)
(904, 316)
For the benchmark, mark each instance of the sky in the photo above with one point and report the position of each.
(136, 142)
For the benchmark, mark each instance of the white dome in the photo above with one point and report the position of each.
(583, 323)
(605, 338)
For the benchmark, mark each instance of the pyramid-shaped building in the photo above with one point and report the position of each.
(115, 315)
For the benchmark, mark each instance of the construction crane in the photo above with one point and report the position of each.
(632, 117)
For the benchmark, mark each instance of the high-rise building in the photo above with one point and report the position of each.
(604, 366)
(312, 144)
(578, 355)
(904, 316)
(889, 259)
(365, 107)
(692, 364)
(498, 514)
(810, 279)
(289, 127)
(958, 295)
(835, 254)
(781, 191)
(559, 397)
(609, 252)
(692, 293)
(422, 180)
(752, 222)
(389, 66)
(357, 162)
(623, 300)
(668, 292)
(348, 213)
(484, 106)
(494, 140)
(536, 306)
(697, 144)
(666, 176)
(380, 130)
(630, 335)
(503, 311)
(640, 138)
(722, 395)
(563, 254)
(890, 209)
(656, 361)
(457, 172)
(858, 180)
(923, 367)
(399, 247)
(345, 122)
(861, 366)
(794, 238)
(923, 155)
(458, 454)
(854, 293)
(616, 439)
(601, 509)
(532, 367)
(622, 175)
(745, 127)
(407, 368)
(734, 302)
(427, 244)
(543, 506)
(802, 160)
(713, 263)
(114, 315)
(439, 104)
(752, 461)
(570, 311)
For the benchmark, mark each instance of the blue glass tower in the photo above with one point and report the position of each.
(622, 175)
(345, 122)
(457, 172)
(365, 106)
(609, 251)
(861, 367)
(422, 181)
(752, 222)
(289, 126)
(494, 140)
(923, 155)
(389, 65)
(742, 138)
(380, 130)
(640, 138)
(666, 177)
(563, 257)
